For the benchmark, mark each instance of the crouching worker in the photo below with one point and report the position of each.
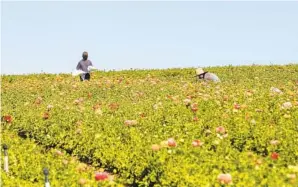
(200, 74)
(84, 67)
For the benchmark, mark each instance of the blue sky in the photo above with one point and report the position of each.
(51, 36)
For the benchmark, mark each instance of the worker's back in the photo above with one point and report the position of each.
(211, 77)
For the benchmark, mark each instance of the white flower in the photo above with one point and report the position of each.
(187, 101)
(253, 121)
(287, 105)
(275, 90)
(50, 106)
(274, 142)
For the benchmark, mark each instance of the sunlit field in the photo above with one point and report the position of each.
(152, 128)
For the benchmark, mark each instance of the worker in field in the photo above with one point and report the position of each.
(201, 74)
(84, 67)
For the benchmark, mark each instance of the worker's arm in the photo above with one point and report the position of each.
(91, 67)
(78, 66)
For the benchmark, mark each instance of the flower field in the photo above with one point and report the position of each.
(153, 128)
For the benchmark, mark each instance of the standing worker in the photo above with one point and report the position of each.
(85, 65)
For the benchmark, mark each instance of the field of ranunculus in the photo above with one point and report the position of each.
(153, 128)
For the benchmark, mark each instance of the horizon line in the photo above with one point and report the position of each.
(150, 69)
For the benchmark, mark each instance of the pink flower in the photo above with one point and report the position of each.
(237, 106)
(172, 142)
(224, 178)
(195, 118)
(130, 122)
(7, 118)
(38, 100)
(194, 107)
(155, 147)
(100, 176)
(274, 156)
(220, 130)
(197, 143)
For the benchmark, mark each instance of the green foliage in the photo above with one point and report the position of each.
(87, 120)
(27, 160)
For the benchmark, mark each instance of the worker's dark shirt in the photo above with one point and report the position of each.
(83, 65)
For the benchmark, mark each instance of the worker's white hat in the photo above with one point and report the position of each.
(199, 71)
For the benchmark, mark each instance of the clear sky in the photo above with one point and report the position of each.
(51, 36)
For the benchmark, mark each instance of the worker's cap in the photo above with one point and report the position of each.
(85, 53)
(199, 71)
